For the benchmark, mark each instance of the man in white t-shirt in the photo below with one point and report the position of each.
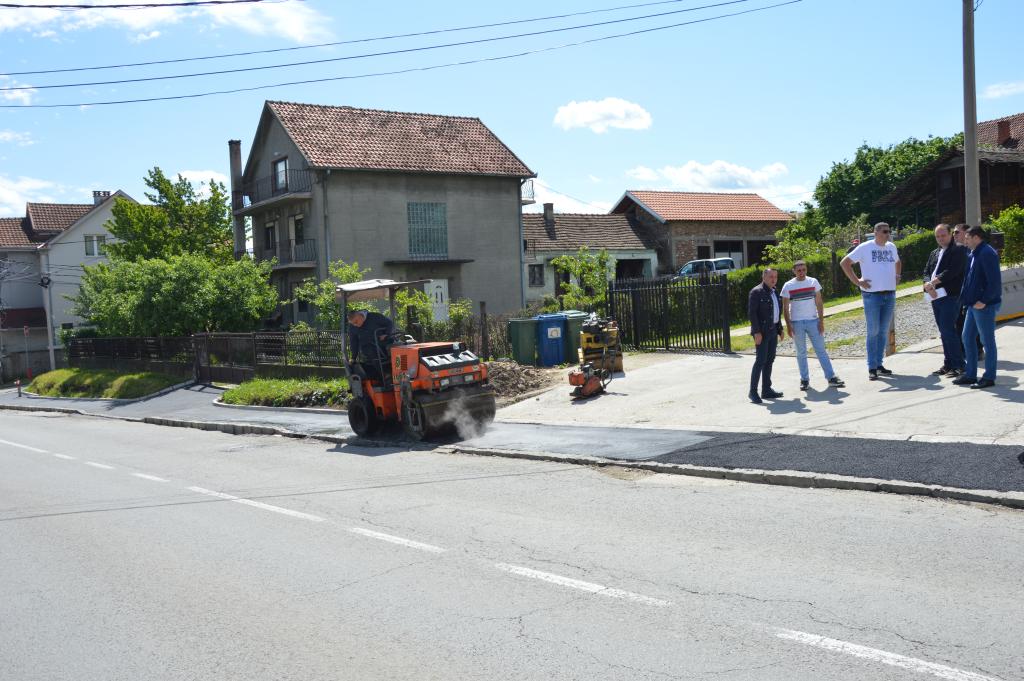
(804, 311)
(879, 274)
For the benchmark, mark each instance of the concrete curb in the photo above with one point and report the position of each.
(769, 477)
(303, 410)
(111, 400)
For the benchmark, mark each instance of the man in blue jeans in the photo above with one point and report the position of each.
(943, 279)
(982, 294)
(804, 310)
(880, 268)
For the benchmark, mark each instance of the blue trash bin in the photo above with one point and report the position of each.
(550, 339)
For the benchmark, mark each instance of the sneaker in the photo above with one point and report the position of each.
(836, 382)
(805, 385)
(882, 370)
(872, 374)
(941, 371)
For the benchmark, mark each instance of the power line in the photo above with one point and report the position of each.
(398, 71)
(342, 42)
(386, 53)
(137, 5)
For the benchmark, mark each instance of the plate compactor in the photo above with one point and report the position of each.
(430, 388)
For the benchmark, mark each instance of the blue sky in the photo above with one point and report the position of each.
(763, 102)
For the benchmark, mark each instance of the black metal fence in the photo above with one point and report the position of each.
(672, 314)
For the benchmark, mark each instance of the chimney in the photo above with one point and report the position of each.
(549, 216)
(235, 159)
(1002, 132)
(99, 196)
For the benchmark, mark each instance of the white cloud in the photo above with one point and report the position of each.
(200, 179)
(292, 20)
(143, 37)
(721, 176)
(563, 203)
(997, 90)
(22, 139)
(594, 178)
(599, 116)
(17, 96)
(16, 192)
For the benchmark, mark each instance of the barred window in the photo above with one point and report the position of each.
(428, 230)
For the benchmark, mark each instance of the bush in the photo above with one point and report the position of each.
(1011, 223)
(102, 383)
(290, 392)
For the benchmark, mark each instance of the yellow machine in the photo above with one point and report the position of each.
(600, 344)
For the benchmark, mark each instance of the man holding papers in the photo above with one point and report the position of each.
(943, 278)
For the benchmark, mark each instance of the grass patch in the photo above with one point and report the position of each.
(102, 383)
(289, 392)
(843, 342)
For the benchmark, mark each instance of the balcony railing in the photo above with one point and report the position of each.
(526, 193)
(271, 186)
(291, 252)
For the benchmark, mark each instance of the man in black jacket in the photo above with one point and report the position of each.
(368, 334)
(764, 310)
(943, 278)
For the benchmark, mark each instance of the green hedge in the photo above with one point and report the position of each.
(914, 251)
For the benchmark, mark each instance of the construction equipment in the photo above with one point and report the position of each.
(599, 342)
(430, 388)
(589, 380)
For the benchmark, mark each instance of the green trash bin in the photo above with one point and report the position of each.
(573, 325)
(523, 334)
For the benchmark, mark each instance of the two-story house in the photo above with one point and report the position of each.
(41, 259)
(407, 195)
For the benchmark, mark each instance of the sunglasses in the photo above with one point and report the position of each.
(883, 231)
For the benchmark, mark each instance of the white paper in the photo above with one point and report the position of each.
(929, 296)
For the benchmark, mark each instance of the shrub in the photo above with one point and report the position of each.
(102, 383)
(1011, 223)
(290, 392)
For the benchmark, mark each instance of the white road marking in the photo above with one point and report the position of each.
(145, 476)
(98, 465)
(875, 655)
(258, 504)
(397, 540)
(31, 449)
(66, 457)
(590, 587)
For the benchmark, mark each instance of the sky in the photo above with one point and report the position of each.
(692, 100)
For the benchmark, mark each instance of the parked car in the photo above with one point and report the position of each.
(704, 268)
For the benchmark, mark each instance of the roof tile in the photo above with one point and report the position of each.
(706, 206)
(55, 217)
(988, 131)
(12, 233)
(574, 230)
(346, 137)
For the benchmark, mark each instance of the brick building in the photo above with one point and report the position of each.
(685, 226)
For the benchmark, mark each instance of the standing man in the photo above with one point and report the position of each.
(804, 311)
(943, 279)
(880, 268)
(982, 295)
(763, 309)
(960, 239)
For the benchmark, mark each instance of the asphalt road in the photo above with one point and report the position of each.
(131, 551)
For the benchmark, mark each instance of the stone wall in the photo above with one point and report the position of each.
(685, 237)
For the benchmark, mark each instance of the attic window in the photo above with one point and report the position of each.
(94, 244)
(280, 174)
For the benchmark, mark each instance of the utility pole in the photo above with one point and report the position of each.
(972, 189)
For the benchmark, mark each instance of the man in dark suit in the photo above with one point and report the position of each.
(764, 310)
(943, 279)
(982, 294)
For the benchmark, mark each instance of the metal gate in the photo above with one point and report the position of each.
(672, 314)
(225, 357)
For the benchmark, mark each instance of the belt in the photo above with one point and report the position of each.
(877, 293)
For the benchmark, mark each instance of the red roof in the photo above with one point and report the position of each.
(55, 217)
(988, 131)
(704, 206)
(12, 232)
(368, 139)
(573, 230)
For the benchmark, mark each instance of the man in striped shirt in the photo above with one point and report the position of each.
(804, 311)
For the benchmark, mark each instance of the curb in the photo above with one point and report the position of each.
(303, 410)
(768, 477)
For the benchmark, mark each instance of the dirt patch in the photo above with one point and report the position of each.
(623, 473)
(513, 382)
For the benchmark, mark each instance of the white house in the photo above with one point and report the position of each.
(41, 259)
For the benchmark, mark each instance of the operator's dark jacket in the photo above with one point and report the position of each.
(365, 339)
(954, 267)
(983, 282)
(761, 312)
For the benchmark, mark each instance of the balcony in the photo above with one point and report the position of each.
(526, 193)
(270, 191)
(292, 254)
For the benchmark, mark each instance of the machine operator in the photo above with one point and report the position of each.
(368, 334)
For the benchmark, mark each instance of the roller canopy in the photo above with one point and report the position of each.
(372, 289)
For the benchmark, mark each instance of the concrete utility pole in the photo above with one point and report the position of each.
(972, 189)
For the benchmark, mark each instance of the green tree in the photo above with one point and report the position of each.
(321, 294)
(852, 187)
(178, 221)
(1011, 223)
(587, 288)
(176, 296)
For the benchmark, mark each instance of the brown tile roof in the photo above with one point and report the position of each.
(573, 230)
(704, 206)
(55, 217)
(346, 137)
(12, 233)
(988, 131)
